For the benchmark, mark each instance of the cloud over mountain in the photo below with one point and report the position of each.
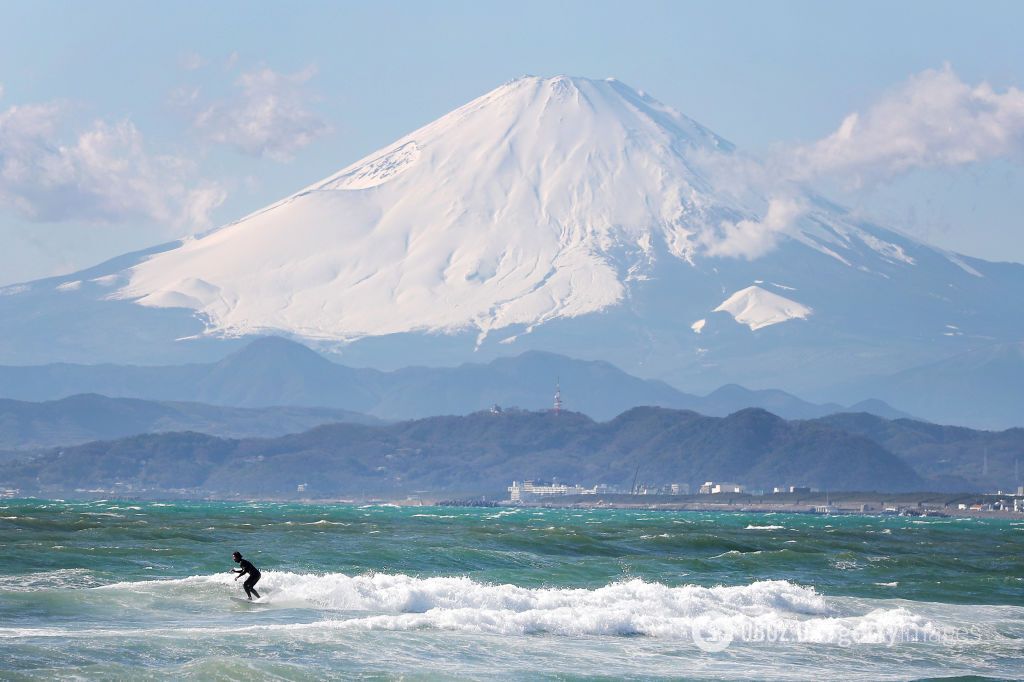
(103, 173)
(933, 119)
(269, 115)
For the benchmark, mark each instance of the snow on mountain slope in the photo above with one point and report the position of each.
(758, 308)
(539, 200)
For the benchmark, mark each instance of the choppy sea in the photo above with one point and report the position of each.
(131, 590)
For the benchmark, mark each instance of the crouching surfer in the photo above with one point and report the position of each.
(254, 575)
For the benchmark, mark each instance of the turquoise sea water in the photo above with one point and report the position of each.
(114, 590)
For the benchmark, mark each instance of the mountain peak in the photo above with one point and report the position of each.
(527, 204)
(275, 351)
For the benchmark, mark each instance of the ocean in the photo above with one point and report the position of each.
(135, 590)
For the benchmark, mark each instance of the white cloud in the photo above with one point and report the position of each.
(269, 117)
(751, 239)
(934, 119)
(103, 174)
(184, 96)
(190, 61)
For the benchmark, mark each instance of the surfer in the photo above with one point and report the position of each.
(254, 575)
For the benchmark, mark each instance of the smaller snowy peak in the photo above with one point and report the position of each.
(758, 308)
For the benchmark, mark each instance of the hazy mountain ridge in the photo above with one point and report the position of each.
(983, 387)
(88, 417)
(274, 371)
(481, 452)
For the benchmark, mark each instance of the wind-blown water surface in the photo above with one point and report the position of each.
(120, 589)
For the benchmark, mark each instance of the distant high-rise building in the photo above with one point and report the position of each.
(558, 397)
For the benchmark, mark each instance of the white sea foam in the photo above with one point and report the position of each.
(64, 578)
(407, 594)
(845, 564)
(753, 527)
(876, 627)
(772, 609)
(503, 512)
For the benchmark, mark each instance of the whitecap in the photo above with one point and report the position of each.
(397, 602)
(64, 578)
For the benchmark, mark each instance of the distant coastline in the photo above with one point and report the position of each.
(857, 506)
(912, 504)
(845, 503)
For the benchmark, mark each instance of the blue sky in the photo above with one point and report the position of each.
(123, 124)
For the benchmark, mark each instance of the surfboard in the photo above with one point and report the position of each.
(252, 602)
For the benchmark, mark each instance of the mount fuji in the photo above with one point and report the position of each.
(569, 215)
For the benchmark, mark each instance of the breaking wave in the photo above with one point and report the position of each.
(776, 609)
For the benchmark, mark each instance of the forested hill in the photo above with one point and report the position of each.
(88, 417)
(481, 452)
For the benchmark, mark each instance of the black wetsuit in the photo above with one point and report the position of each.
(254, 577)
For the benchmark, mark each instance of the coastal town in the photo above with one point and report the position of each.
(719, 496)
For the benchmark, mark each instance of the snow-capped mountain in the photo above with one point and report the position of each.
(537, 201)
(564, 214)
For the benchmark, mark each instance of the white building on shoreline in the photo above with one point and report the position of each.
(532, 490)
(529, 489)
(712, 488)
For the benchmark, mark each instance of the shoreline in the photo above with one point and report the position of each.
(922, 505)
(768, 509)
(926, 505)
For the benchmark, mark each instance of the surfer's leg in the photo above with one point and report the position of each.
(250, 587)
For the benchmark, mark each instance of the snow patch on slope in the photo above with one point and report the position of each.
(758, 308)
(375, 172)
(888, 250)
(957, 261)
(14, 289)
